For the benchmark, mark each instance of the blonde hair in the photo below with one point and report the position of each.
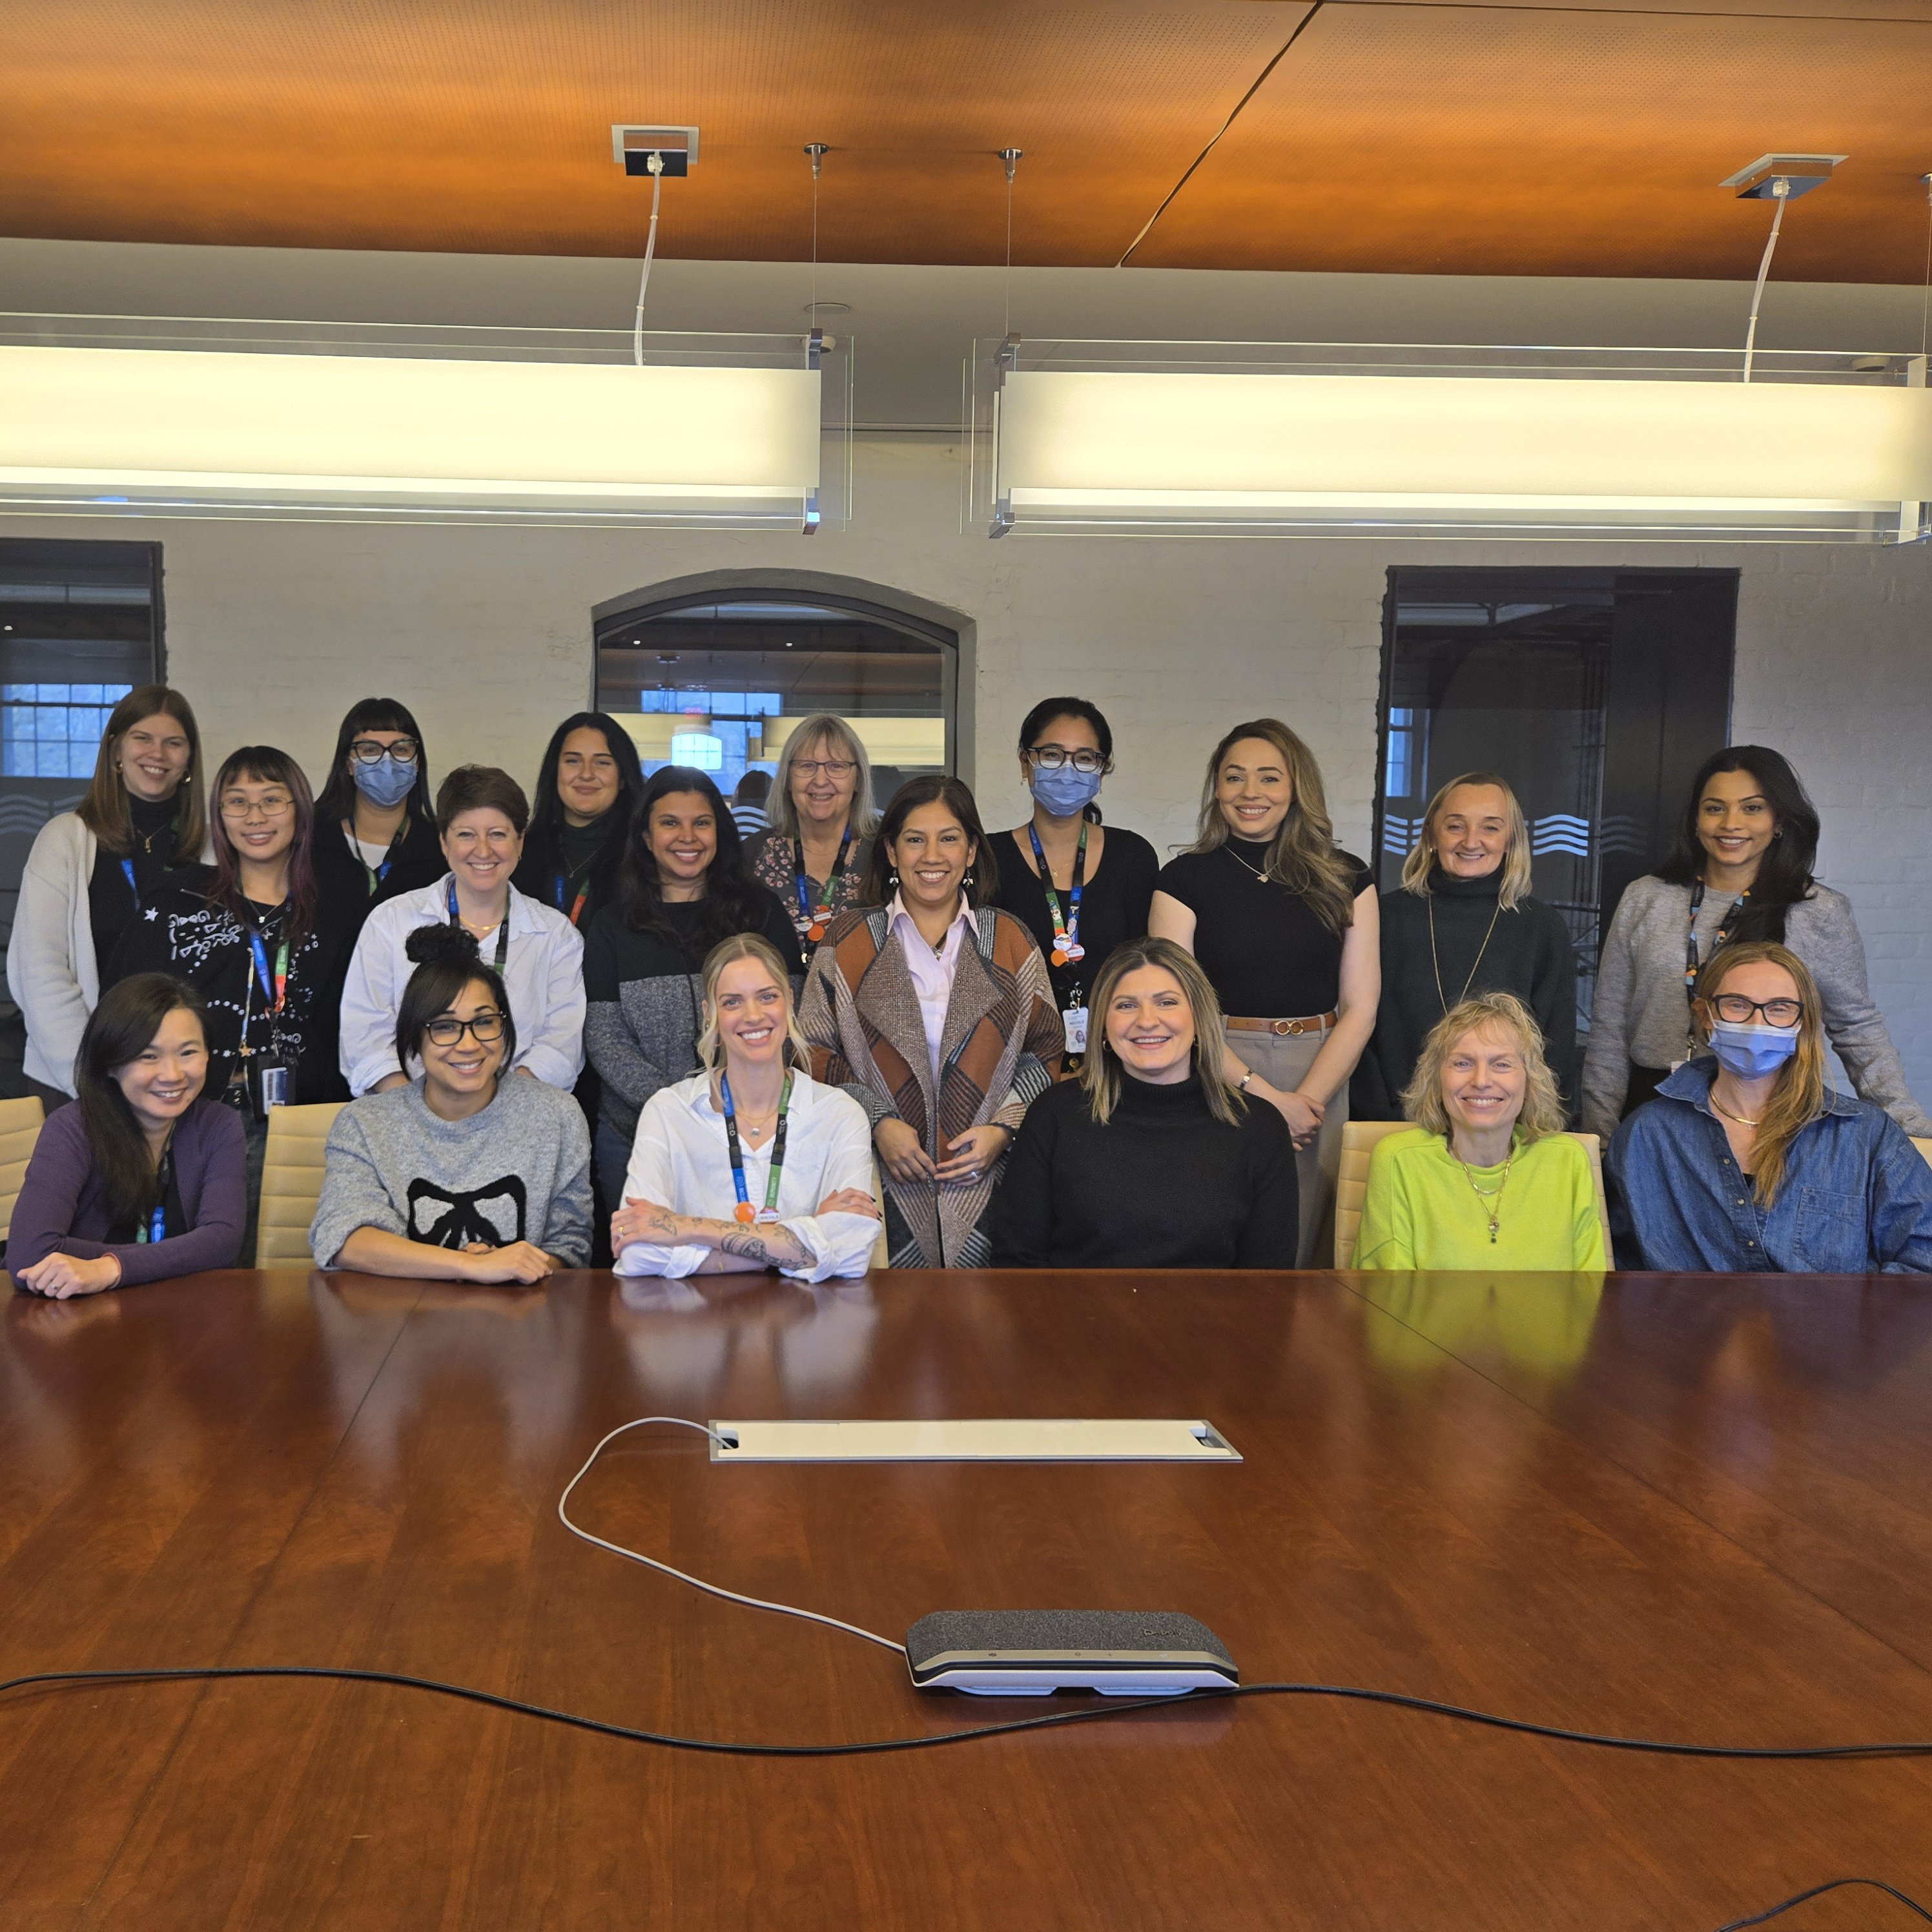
(1515, 865)
(1798, 1097)
(842, 741)
(728, 952)
(1100, 1072)
(1302, 857)
(1543, 1111)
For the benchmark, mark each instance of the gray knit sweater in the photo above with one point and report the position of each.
(1641, 1012)
(517, 1170)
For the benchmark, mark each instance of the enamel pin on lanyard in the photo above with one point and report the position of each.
(744, 1210)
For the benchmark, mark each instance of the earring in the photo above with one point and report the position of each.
(968, 882)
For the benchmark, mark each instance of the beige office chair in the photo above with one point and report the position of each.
(292, 1183)
(881, 1253)
(1358, 1143)
(20, 1122)
(1925, 1150)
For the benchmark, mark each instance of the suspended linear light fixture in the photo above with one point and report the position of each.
(1283, 439)
(357, 422)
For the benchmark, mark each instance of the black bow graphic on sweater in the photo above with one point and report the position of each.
(462, 1220)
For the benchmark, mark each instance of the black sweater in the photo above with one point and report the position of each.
(1528, 954)
(1162, 1185)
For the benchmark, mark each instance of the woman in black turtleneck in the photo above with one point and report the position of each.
(1153, 1158)
(580, 819)
(1462, 922)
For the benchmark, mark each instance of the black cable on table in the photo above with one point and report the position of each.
(1832, 1885)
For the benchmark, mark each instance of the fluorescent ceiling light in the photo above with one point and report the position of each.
(1524, 450)
(188, 429)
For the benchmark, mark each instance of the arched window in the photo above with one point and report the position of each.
(718, 680)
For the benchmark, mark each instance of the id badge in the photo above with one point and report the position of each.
(1074, 1018)
(271, 1087)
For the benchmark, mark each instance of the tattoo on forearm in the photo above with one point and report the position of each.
(779, 1250)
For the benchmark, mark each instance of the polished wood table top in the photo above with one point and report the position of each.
(1689, 1508)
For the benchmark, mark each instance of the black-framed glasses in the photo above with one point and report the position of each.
(1052, 758)
(371, 752)
(484, 1027)
(1734, 1009)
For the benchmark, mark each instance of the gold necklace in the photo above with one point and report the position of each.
(1489, 1194)
(1480, 951)
(1730, 1116)
(1260, 873)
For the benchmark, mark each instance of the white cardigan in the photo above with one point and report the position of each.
(51, 970)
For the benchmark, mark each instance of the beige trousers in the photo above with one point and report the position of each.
(1281, 1060)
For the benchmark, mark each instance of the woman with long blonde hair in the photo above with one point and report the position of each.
(750, 1164)
(1153, 1158)
(1285, 926)
(1463, 921)
(1487, 1177)
(1749, 1160)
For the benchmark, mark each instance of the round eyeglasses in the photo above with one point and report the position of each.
(1734, 1009)
(1052, 758)
(484, 1027)
(372, 752)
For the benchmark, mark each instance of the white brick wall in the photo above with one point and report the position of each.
(274, 628)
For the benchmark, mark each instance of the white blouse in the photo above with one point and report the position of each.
(681, 1160)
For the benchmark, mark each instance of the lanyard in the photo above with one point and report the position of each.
(811, 921)
(1691, 961)
(743, 1212)
(128, 873)
(275, 990)
(577, 904)
(156, 1228)
(503, 926)
(377, 874)
(1065, 931)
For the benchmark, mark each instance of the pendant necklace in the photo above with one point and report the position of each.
(1261, 876)
(1480, 951)
(1495, 1193)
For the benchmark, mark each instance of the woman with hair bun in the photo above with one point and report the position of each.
(144, 1176)
(463, 1174)
(1740, 870)
(1285, 925)
(1080, 888)
(1463, 921)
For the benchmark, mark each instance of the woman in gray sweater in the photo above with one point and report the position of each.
(467, 1173)
(1741, 869)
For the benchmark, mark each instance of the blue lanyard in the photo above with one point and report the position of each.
(502, 928)
(157, 1229)
(743, 1212)
(128, 873)
(1065, 934)
(810, 920)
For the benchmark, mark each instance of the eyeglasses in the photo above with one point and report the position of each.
(832, 768)
(369, 751)
(1735, 1010)
(484, 1028)
(276, 806)
(1052, 758)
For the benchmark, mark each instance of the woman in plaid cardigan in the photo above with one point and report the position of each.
(933, 1009)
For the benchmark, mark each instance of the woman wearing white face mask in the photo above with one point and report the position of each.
(1747, 1162)
(1080, 889)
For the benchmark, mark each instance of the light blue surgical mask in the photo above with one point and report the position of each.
(1751, 1051)
(1066, 792)
(385, 782)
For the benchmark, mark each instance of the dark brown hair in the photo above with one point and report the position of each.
(938, 788)
(103, 811)
(481, 788)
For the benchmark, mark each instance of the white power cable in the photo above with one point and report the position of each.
(696, 1583)
(1781, 191)
(656, 164)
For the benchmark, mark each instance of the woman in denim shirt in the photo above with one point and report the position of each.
(1746, 1162)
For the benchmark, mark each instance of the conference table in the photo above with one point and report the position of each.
(1694, 1508)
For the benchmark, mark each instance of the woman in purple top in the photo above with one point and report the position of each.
(140, 1178)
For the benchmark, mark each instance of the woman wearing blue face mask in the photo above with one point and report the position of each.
(1746, 1162)
(375, 826)
(1080, 889)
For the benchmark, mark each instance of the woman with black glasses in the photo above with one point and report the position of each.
(1081, 889)
(379, 835)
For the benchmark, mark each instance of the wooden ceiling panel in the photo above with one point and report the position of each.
(1432, 139)
(1526, 137)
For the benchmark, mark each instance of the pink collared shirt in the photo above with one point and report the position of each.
(931, 972)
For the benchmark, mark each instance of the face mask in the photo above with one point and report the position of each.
(1066, 791)
(384, 783)
(1751, 1051)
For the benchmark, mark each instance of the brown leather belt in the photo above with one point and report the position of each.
(1315, 1023)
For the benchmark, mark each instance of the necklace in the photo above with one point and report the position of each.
(1480, 951)
(1730, 1116)
(1259, 872)
(1488, 1193)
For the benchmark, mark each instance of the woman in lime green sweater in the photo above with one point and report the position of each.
(1487, 1178)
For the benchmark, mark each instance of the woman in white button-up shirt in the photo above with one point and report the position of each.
(687, 1208)
(480, 814)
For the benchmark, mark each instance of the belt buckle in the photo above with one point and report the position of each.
(1282, 1028)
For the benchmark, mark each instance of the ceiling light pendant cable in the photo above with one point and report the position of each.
(818, 150)
(1011, 156)
(656, 164)
(1781, 190)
